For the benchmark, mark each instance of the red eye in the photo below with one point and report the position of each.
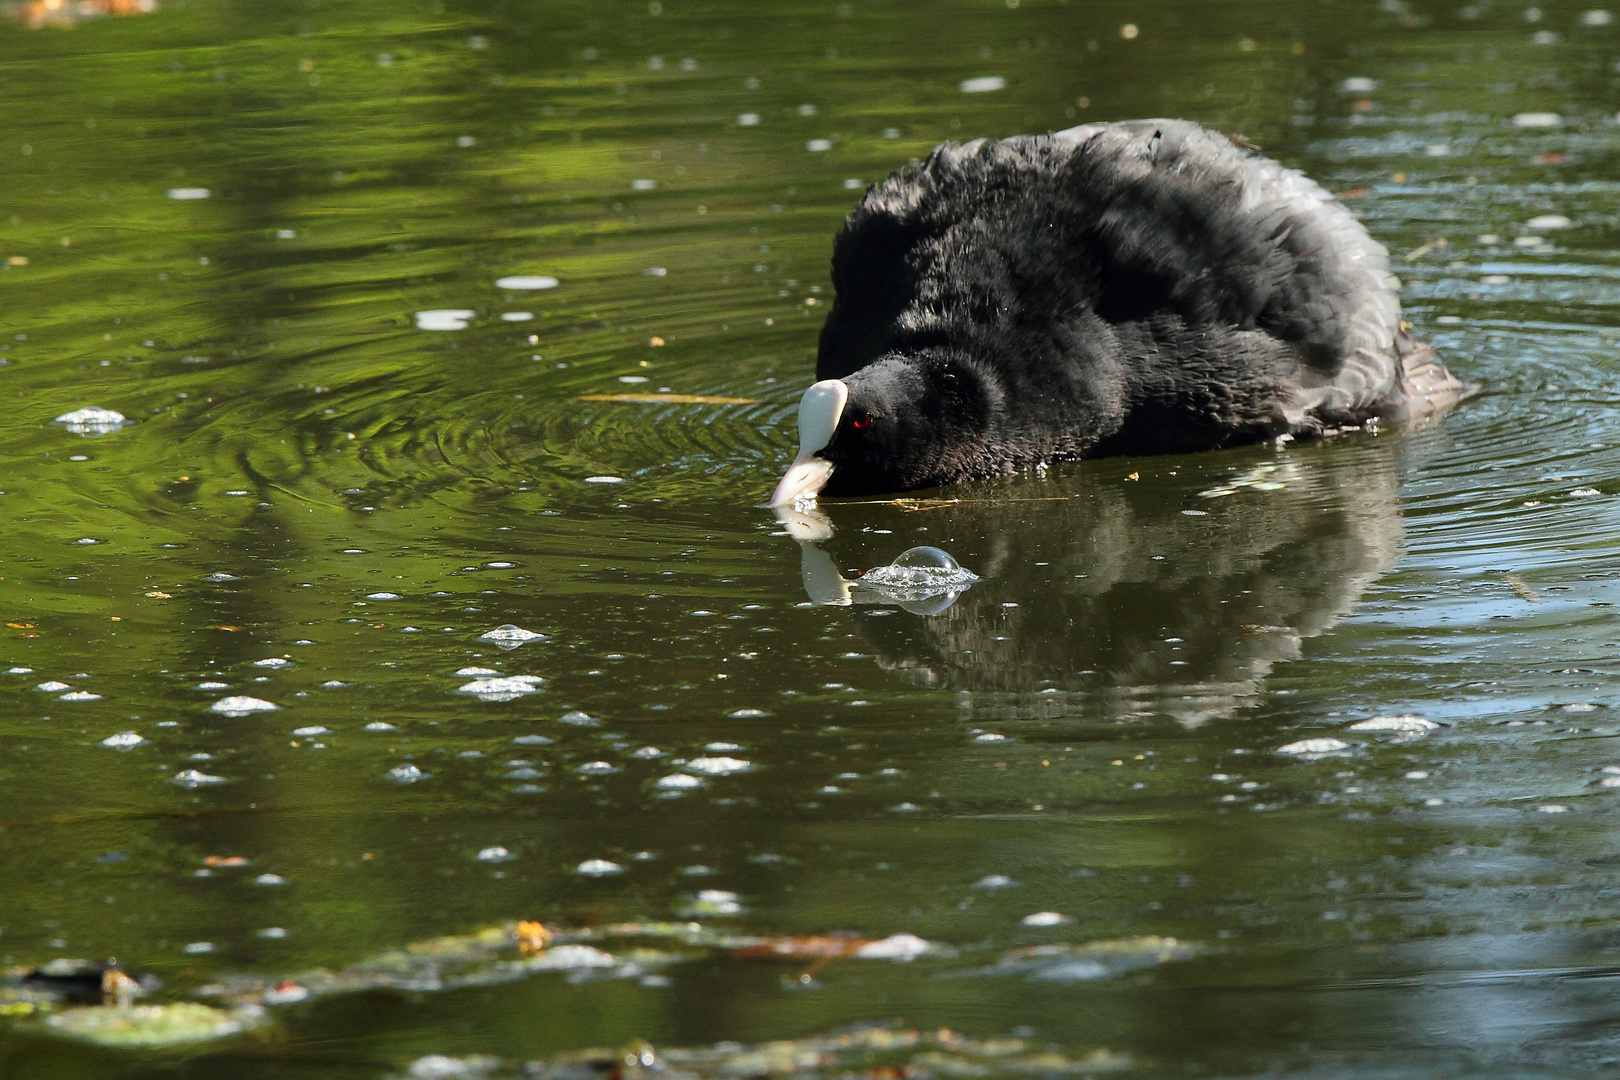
(861, 422)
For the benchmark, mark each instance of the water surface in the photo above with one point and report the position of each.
(237, 227)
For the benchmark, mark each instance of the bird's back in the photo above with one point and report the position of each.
(1125, 246)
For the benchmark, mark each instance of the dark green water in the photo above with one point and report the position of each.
(309, 477)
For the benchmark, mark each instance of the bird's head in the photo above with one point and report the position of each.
(898, 424)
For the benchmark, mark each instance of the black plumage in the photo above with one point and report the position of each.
(1139, 287)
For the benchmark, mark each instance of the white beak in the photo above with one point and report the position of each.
(819, 413)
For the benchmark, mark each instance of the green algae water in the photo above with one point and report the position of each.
(391, 391)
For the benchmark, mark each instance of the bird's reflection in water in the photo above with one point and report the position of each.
(1119, 598)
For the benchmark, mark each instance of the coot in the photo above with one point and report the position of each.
(1142, 287)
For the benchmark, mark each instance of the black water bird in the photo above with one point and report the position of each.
(1142, 287)
(81, 982)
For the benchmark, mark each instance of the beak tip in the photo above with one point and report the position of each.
(802, 482)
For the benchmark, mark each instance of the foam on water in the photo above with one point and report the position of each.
(242, 705)
(501, 688)
(510, 636)
(444, 318)
(191, 778)
(983, 84)
(718, 766)
(598, 868)
(92, 420)
(919, 573)
(527, 282)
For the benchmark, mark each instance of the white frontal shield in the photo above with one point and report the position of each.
(819, 412)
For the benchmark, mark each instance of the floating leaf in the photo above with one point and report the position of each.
(151, 1025)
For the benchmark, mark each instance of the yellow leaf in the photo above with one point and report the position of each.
(667, 399)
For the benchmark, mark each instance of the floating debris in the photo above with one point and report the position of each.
(91, 420)
(192, 778)
(712, 903)
(576, 718)
(1537, 120)
(1549, 221)
(79, 695)
(509, 636)
(52, 686)
(444, 319)
(1260, 478)
(873, 1052)
(995, 881)
(152, 1025)
(495, 854)
(718, 766)
(1046, 918)
(527, 282)
(984, 84)
(517, 950)
(598, 868)
(507, 688)
(42, 13)
(241, 705)
(311, 731)
(678, 782)
(668, 399)
(444, 1067)
(819, 947)
(124, 740)
(1407, 726)
(902, 947)
(406, 774)
(531, 936)
(272, 662)
(1314, 748)
(1091, 961)
(286, 992)
(189, 194)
